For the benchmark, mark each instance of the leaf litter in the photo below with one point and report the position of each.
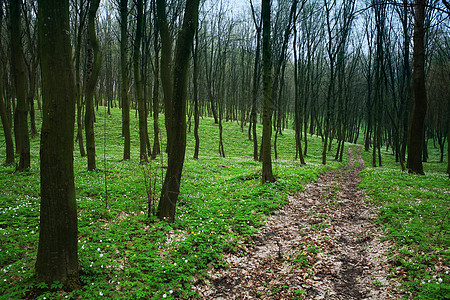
(323, 244)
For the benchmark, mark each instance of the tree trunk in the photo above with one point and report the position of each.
(57, 257)
(80, 102)
(256, 75)
(156, 144)
(195, 84)
(297, 106)
(20, 83)
(138, 85)
(266, 154)
(94, 61)
(448, 143)
(4, 115)
(414, 163)
(6, 128)
(177, 122)
(124, 75)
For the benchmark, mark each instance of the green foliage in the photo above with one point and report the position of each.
(415, 211)
(122, 252)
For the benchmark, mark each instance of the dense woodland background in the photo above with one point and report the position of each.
(375, 73)
(340, 70)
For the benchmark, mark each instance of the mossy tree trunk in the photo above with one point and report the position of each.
(267, 174)
(94, 61)
(20, 83)
(177, 106)
(57, 257)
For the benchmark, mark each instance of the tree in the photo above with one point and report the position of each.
(81, 12)
(3, 113)
(123, 6)
(415, 142)
(20, 83)
(175, 90)
(94, 61)
(138, 84)
(195, 95)
(156, 46)
(267, 174)
(255, 88)
(57, 257)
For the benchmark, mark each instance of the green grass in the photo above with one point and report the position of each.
(415, 212)
(124, 254)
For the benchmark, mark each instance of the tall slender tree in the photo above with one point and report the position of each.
(20, 83)
(415, 142)
(57, 257)
(255, 88)
(3, 113)
(267, 174)
(123, 6)
(156, 83)
(175, 90)
(94, 61)
(138, 83)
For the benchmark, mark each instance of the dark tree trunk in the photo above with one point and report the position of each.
(195, 83)
(267, 174)
(80, 102)
(138, 85)
(255, 88)
(177, 96)
(414, 162)
(448, 145)
(4, 114)
(156, 144)
(57, 257)
(297, 104)
(6, 127)
(20, 83)
(93, 70)
(124, 76)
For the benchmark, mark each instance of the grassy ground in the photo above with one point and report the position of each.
(123, 254)
(415, 212)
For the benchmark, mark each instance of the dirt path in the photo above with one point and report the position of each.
(321, 245)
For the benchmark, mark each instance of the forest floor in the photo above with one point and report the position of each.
(323, 244)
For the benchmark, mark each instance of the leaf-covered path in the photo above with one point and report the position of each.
(323, 244)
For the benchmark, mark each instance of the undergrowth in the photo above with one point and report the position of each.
(415, 212)
(125, 254)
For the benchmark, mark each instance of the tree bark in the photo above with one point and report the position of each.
(177, 122)
(448, 143)
(414, 162)
(20, 83)
(57, 257)
(124, 76)
(80, 101)
(267, 174)
(94, 62)
(143, 158)
(4, 115)
(156, 144)
(256, 76)
(195, 84)
(6, 128)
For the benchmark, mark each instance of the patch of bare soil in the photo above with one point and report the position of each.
(323, 244)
